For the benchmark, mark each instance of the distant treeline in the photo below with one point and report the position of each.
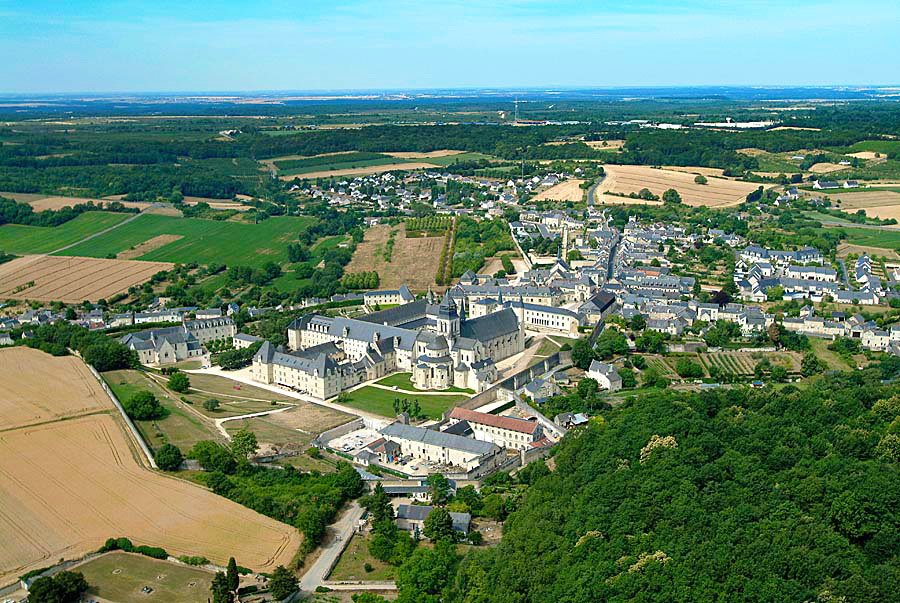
(12, 212)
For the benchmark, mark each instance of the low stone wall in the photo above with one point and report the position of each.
(336, 432)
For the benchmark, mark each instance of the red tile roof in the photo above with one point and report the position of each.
(483, 418)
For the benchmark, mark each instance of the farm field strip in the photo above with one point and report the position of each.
(413, 259)
(395, 165)
(72, 280)
(570, 190)
(16, 238)
(70, 479)
(718, 192)
(202, 241)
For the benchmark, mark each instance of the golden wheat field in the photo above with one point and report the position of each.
(718, 192)
(70, 477)
(72, 279)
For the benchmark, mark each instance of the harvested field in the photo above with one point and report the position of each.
(428, 155)
(570, 190)
(362, 171)
(56, 387)
(147, 246)
(795, 128)
(827, 168)
(68, 485)
(718, 192)
(706, 171)
(864, 155)
(856, 199)
(72, 280)
(883, 212)
(845, 249)
(414, 260)
(217, 203)
(616, 200)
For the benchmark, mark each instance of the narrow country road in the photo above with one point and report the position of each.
(97, 234)
(337, 536)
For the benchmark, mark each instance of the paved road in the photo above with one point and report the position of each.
(592, 192)
(336, 538)
(845, 273)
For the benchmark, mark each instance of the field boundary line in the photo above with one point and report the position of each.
(131, 426)
(96, 234)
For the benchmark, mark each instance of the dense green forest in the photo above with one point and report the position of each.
(732, 495)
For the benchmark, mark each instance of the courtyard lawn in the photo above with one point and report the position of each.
(202, 241)
(15, 238)
(404, 381)
(381, 401)
(121, 577)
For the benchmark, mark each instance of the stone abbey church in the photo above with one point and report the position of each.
(434, 340)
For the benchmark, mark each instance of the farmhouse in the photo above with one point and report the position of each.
(506, 432)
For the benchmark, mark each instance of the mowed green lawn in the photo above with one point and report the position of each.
(203, 241)
(15, 238)
(870, 237)
(171, 583)
(381, 401)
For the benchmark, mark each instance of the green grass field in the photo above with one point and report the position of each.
(15, 238)
(451, 159)
(876, 146)
(867, 237)
(203, 241)
(180, 427)
(381, 401)
(404, 381)
(120, 577)
(351, 565)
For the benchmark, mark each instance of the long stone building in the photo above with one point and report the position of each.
(436, 342)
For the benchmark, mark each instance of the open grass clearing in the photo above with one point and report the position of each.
(120, 577)
(831, 359)
(351, 565)
(381, 401)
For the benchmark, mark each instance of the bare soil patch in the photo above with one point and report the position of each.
(69, 484)
(570, 190)
(883, 212)
(42, 202)
(72, 279)
(311, 418)
(864, 155)
(795, 128)
(414, 261)
(148, 246)
(362, 171)
(718, 192)
(827, 168)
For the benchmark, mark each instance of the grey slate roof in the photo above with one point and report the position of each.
(491, 326)
(437, 438)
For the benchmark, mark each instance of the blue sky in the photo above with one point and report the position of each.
(130, 46)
